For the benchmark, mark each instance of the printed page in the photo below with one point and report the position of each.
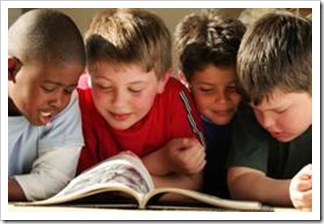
(124, 169)
(124, 172)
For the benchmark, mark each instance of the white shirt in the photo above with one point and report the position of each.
(43, 159)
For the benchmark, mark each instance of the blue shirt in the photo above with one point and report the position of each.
(42, 159)
(217, 139)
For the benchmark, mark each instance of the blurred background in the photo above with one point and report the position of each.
(171, 16)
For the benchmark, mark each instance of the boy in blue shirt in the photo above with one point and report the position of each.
(46, 56)
(207, 46)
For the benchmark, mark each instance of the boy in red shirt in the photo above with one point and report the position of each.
(133, 103)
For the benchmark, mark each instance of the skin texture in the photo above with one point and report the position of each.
(285, 115)
(181, 155)
(124, 94)
(215, 94)
(15, 193)
(39, 92)
(178, 164)
(300, 189)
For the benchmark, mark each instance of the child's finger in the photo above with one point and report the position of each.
(190, 142)
(195, 153)
(305, 173)
(304, 185)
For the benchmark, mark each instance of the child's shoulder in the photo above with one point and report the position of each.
(175, 95)
(174, 86)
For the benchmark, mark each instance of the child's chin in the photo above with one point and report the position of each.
(284, 138)
(36, 122)
(222, 121)
(121, 126)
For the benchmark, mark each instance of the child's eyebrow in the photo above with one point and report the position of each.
(205, 83)
(270, 108)
(137, 82)
(58, 83)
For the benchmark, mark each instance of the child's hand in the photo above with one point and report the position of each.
(185, 156)
(300, 189)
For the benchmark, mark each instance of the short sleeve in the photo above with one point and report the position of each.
(58, 150)
(184, 119)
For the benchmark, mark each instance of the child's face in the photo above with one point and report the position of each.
(123, 94)
(285, 115)
(215, 94)
(40, 92)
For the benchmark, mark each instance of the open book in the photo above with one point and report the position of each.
(125, 177)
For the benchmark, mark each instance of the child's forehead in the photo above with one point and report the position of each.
(279, 98)
(52, 71)
(100, 66)
(55, 65)
(127, 72)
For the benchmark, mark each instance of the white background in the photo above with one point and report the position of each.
(162, 215)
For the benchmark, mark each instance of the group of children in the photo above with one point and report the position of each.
(241, 128)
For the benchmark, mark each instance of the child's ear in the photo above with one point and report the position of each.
(164, 81)
(14, 66)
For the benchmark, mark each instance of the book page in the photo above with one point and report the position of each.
(119, 172)
(124, 172)
(209, 200)
(123, 169)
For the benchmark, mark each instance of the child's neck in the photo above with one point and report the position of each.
(12, 109)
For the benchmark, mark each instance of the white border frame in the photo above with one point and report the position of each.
(164, 215)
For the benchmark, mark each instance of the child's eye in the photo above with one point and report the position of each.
(280, 111)
(202, 89)
(206, 90)
(232, 88)
(48, 89)
(69, 90)
(135, 90)
(103, 87)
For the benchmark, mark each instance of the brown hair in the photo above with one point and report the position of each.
(130, 36)
(205, 38)
(276, 51)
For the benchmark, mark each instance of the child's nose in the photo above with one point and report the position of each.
(118, 99)
(267, 121)
(221, 97)
(59, 100)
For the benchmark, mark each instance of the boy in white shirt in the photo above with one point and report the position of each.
(46, 56)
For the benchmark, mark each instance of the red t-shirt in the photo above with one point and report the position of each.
(172, 115)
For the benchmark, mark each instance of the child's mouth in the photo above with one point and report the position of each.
(120, 117)
(46, 117)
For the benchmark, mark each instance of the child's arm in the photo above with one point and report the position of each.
(191, 182)
(50, 173)
(301, 189)
(250, 184)
(178, 164)
(58, 150)
(15, 193)
(184, 156)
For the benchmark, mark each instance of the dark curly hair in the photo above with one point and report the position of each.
(205, 38)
